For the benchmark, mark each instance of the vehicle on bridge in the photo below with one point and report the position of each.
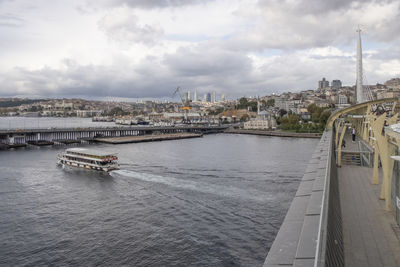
(88, 159)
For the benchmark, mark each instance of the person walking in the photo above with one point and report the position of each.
(353, 134)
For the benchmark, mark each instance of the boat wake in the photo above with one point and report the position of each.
(224, 191)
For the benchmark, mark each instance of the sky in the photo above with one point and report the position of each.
(146, 48)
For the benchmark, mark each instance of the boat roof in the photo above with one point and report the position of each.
(86, 151)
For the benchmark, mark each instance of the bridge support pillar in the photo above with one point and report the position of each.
(339, 125)
(375, 175)
(339, 148)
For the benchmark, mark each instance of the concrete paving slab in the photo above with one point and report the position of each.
(305, 188)
(308, 238)
(315, 203)
(284, 248)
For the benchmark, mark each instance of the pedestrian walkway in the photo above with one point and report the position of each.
(370, 233)
(350, 145)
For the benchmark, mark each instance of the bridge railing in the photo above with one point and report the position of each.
(329, 250)
(311, 234)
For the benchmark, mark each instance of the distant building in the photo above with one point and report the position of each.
(342, 99)
(88, 113)
(336, 84)
(178, 116)
(263, 121)
(214, 97)
(189, 95)
(223, 97)
(195, 99)
(323, 84)
(208, 97)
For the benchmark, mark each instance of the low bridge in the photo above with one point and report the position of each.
(346, 211)
(48, 136)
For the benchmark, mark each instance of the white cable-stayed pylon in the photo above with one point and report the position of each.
(360, 95)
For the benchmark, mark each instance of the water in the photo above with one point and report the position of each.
(212, 201)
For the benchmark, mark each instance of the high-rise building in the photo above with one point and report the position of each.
(336, 84)
(195, 99)
(189, 96)
(214, 97)
(205, 98)
(223, 97)
(342, 99)
(323, 84)
(208, 97)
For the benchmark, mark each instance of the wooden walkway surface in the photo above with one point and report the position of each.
(370, 233)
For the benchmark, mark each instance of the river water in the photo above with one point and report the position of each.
(213, 201)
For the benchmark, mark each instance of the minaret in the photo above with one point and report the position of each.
(258, 106)
(359, 84)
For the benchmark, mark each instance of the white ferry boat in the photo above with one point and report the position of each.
(88, 159)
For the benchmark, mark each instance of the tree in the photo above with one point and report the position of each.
(117, 111)
(243, 102)
(312, 108)
(245, 117)
(282, 112)
(270, 103)
(323, 118)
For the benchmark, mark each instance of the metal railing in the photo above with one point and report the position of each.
(329, 251)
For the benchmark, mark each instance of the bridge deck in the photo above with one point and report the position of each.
(350, 145)
(369, 232)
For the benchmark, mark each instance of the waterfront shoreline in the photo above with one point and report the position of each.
(273, 133)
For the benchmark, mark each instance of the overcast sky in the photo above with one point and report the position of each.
(146, 48)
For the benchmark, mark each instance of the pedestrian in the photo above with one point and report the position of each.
(353, 134)
(343, 143)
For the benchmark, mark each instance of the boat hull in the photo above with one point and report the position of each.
(78, 165)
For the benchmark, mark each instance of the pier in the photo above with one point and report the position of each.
(273, 133)
(147, 138)
(52, 136)
(346, 211)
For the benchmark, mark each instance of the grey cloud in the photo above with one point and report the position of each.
(203, 62)
(127, 29)
(84, 80)
(233, 74)
(303, 24)
(317, 6)
(10, 20)
(149, 4)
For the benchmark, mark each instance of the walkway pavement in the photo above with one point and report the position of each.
(369, 232)
(350, 145)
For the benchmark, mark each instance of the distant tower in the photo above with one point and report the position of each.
(195, 99)
(336, 84)
(189, 96)
(323, 84)
(214, 97)
(258, 106)
(359, 84)
(223, 97)
(208, 97)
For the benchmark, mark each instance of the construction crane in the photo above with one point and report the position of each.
(186, 106)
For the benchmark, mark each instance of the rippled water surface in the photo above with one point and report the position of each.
(212, 201)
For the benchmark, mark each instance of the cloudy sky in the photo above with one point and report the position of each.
(146, 48)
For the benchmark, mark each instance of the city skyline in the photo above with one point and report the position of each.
(144, 49)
